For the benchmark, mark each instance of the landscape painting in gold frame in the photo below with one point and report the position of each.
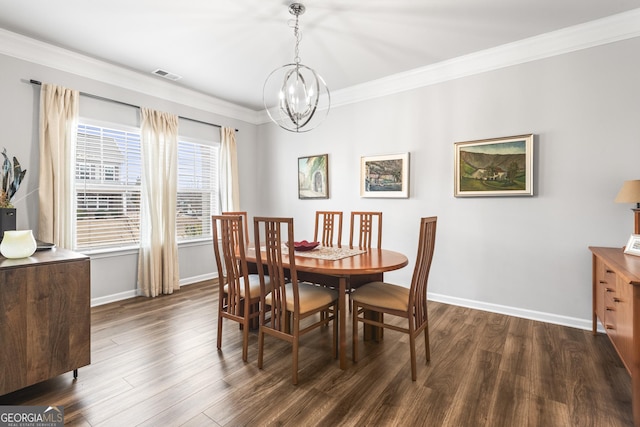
(494, 167)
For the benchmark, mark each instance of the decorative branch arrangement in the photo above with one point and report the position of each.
(12, 176)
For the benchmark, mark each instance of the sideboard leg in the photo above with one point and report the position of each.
(75, 374)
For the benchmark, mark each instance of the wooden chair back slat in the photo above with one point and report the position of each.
(326, 222)
(245, 219)
(365, 230)
(418, 292)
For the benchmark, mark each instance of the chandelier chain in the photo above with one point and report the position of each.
(296, 34)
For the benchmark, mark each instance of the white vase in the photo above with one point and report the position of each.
(18, 244)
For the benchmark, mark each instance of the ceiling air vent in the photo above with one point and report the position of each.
(167, 75)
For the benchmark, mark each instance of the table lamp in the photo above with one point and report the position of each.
(630, 193)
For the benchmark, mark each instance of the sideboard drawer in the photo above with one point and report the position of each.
(623, 336)
(605, 295)
(605, 275)
(610, 308)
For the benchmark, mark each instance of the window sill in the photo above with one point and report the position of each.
(133, 250)
(205, 241)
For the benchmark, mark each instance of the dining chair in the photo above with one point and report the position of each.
(362, 223)
(245, 219)
(381, 298)
(326, 222)
(238, 291)
(288, 302)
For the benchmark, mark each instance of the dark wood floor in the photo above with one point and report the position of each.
(155, 363)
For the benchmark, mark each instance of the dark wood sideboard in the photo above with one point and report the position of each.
(616, 302)
(45, 318)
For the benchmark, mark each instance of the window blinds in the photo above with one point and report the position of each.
(108, 173)
(197, 189)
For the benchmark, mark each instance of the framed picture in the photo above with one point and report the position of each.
(313, 177)
(633, 245)
(385, 176)
(494, 167)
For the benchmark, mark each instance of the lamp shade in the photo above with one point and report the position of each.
(629, 193)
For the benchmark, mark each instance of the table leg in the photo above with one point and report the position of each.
(370, 332)
(373, 332)
(342, 311)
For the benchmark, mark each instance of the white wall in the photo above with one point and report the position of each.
(526, 256)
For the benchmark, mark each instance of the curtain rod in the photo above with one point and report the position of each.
(102, 98)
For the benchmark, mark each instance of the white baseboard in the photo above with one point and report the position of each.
(197, 279)
(113, 298)
(540, 316)
(134, 293)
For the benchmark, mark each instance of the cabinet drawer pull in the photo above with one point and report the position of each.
(610, 271)
(610, 327)
(616, 299)
(610, 309)
(609, 290)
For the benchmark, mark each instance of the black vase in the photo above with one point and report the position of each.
(7, 220)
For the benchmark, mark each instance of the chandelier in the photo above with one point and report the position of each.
(295, 96)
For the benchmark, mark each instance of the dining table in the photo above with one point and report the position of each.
(342, 268)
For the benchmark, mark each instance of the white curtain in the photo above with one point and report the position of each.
(58, 127)
(158, 256)
(229, 188)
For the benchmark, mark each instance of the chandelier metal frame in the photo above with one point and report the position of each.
(301, 92)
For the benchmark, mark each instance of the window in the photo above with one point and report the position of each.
(85, 171)
(197, 189)
(108, 172)
(108, 176)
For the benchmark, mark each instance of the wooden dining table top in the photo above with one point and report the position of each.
(369, 262)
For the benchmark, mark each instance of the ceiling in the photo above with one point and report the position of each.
(227, 48)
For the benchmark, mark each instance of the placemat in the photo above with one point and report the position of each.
(329, 252)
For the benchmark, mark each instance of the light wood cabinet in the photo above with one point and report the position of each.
(616, 303)
(45, 322)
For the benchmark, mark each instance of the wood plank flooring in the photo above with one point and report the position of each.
(155, 363)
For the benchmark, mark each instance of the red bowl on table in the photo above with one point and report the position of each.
(304, 245)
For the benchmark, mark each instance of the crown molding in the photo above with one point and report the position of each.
(614, 28)
(31, 50)
(594, 33)
(611, 29)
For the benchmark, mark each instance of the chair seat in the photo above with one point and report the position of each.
(254, 286)
(384, 295)
(311, 297)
